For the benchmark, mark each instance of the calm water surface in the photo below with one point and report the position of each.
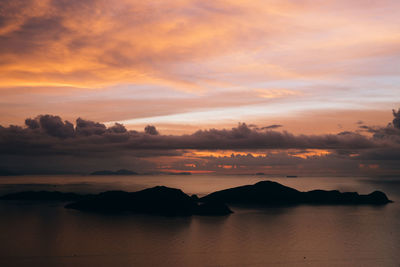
(40, 234)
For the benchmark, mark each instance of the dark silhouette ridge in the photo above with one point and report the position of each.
(159, 200)
(195, 197)
(119, 172)
(43, 196)
(272, 193)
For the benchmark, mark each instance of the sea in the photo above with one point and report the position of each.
(46, 234)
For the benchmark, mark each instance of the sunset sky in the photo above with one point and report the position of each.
(300, 87)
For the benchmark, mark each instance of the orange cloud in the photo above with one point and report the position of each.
(220, 54)
(276, 93)
(97, 43)
(221, 153)
(310, 153)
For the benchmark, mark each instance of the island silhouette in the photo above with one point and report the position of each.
(273, 193)
(166, 201)
(160, 200)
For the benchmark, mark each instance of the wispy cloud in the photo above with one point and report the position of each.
(220, 55)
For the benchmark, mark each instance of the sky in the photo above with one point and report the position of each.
(303, 72)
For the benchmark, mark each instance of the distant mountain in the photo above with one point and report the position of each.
(272, 193)
(119, 172)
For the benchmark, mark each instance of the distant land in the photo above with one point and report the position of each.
(273, 193)
(119, 172)
(161, 200)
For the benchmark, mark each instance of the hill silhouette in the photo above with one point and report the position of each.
(158, 200)
(272, 193)
(162, 200)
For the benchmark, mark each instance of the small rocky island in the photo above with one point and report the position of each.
(161, 200)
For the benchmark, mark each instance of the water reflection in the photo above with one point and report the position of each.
(34, 234)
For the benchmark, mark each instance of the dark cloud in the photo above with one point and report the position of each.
(345, 133)
(269, 127)
(54, 126)
(118, 128)
(396, 120)
(151, 130)
(48, 136)
(381, 154)
(87, 128)
(32, 124)
(52, 131)
(273, 126)
(243, 137)
(276, 163)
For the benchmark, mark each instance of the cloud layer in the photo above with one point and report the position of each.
(86, 141)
